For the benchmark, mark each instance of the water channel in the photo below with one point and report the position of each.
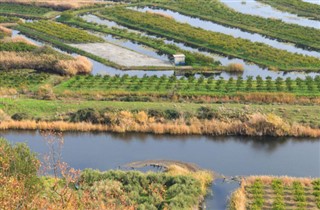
(253, 7)
(230, 156)
(235, 32)
(250, 69)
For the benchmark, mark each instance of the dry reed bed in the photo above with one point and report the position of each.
(45, 62)
(253, 97)
(17, 39)
(43, 58)
(57, 4)
(5, 30)
(243, 197)
(256, 125)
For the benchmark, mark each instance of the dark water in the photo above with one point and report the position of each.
(230, 156)
(252, 7)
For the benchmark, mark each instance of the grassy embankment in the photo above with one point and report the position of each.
(218, 12)
(26, 11)
(264, 192)
(192, 59)
(161, 118)
(299, 7)
(258, 53)
(67, 188)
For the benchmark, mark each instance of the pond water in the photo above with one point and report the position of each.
(312, 1)
(250, 69)
(253, 7)
(142, 49)
(235, 32)
(230, 156)
(123, 42)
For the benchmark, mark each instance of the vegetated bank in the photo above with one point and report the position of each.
(258, 53)
(265, 192)
(216, 11)
(63, 187)
(158, 118)
(298, 7)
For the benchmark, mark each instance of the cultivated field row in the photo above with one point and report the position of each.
(281, 193)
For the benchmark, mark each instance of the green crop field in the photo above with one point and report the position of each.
(200, 86)
(216, 11)
(22, 79)
(4, 19)
(20, 10)
(277, 193)
(16, 47)
(258, 53)
(63, 32)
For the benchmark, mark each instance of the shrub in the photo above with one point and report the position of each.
(235, 67)
(205, 113)
(155, 113)
(20, 116)
(18, 162)
(86, 115)
(172, 114)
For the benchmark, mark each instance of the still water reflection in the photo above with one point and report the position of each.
(227, 155)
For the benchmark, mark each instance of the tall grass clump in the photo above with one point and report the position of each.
(42, 59)
(235, 67)
(6, 31)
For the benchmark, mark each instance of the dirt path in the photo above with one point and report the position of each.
(120, 55)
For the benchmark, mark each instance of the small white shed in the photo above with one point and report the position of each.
(179, 59)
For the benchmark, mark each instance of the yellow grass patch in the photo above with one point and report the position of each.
(5, 30)
(64, 4)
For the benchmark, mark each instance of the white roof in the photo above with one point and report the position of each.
(179, 55)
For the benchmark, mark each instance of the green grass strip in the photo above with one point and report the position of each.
(298, 7)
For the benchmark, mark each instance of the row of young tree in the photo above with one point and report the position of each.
(201, 84)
